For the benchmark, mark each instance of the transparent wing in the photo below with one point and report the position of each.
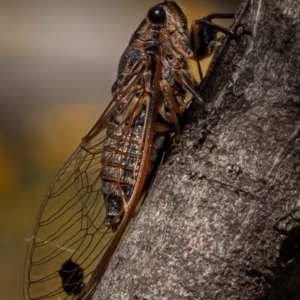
(72, 235)
(71, 224)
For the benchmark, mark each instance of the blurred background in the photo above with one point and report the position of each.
(58, 60)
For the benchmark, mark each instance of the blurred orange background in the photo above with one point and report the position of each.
(58, 60)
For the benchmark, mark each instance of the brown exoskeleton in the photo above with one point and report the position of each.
(92, 199)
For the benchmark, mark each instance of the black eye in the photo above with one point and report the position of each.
(157, 15)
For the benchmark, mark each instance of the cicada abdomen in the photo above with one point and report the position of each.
(92, 199)
(121, 163)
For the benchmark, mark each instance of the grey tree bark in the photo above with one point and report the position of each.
(222, 218)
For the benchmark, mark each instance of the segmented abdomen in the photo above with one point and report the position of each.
(121, 161)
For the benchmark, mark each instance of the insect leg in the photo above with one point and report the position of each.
(183, 79)
(207, 21)
(204, 36)
(170, 107)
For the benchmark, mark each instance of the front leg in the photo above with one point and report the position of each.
(170, 107)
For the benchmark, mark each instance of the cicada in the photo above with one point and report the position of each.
(94, 196)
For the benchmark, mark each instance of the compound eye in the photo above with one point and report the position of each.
(157, 15)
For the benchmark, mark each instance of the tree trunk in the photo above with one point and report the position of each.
(222, 218)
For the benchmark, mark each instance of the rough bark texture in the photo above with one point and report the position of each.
(221, 219)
